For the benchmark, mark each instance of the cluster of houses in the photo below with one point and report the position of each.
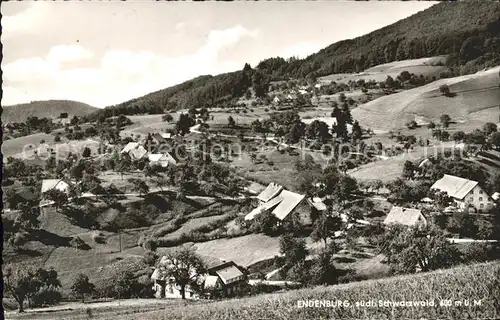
(139, 150)
(467, 195)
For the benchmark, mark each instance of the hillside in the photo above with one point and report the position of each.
(475, 93)
(48, 109)
(474, 283)
(469, 31)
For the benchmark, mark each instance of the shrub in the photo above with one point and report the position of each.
(150, 258)
(78, 243)
(98, 237)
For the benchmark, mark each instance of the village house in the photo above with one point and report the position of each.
(223, 278)
(135, 150)
(282, 203)
(467, 194)
(161, 159)
(58, 184)
(405, 216)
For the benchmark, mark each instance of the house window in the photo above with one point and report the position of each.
(471, 199)
(480, 198)
(480, 191)
(481, 206)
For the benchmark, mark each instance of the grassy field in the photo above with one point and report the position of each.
(423, 66)
(475, 286)
(474, 93)
(392, 168)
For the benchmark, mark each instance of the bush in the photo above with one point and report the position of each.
(150, 258)
(98, 237)
(46, 297)
(78, 243)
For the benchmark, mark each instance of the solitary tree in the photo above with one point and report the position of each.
(445, 120)
(185, 267)
(230, 122)
(19, 281)
(82, 286)
(325, 227)
(57, 196)
(167, 118)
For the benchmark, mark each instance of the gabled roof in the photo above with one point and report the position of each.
(129, 147)
(229, 274)
(166, 135)
(289, 201)
(404, 216)
(456, 187)
(153, 157)
(209, 261)
(49, 184)
(271, 191)
(211, 282)
(138, 153)
(263, 207)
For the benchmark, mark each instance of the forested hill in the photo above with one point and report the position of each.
(469, 31)
(47, 109)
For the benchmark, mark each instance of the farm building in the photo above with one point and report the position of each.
(282, 203)
(271, 191)
(467, 194)
(405, 216)
(496, 196)
(58, 184)
(222, 278)
(135, 150)
(161, 159)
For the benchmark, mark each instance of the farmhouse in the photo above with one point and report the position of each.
(135, 150)
(405, 216)
(467, 194)
(58, 184)
(282, 203)
(222, 278)
(161, 159)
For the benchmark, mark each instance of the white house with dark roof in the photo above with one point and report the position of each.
(161, 159)
(466, 193)
(405, 216)
(58, 184)
(222, 278)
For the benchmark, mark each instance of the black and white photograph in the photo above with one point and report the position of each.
(241, 160)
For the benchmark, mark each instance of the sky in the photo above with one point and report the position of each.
(104, 53)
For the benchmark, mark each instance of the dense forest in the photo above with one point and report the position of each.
(468, 32)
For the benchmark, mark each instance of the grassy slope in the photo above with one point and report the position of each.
(475, 282)
(436, 23)
(474, 93)
(423, 66)
(49, 109)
